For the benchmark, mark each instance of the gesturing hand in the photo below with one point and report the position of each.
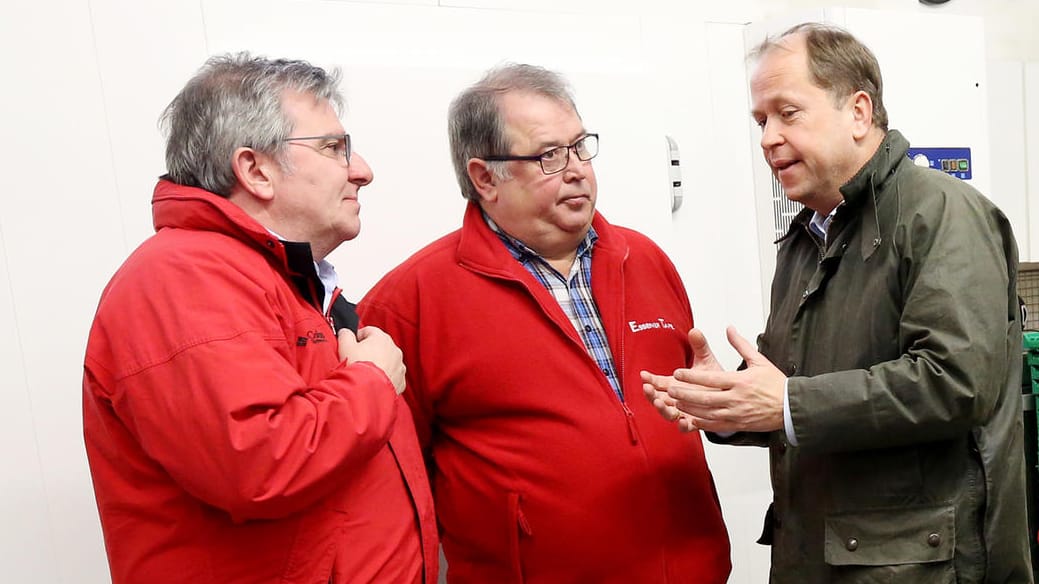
(750, 400)
(656, 387)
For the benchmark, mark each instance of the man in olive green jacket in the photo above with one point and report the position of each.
(888, 379)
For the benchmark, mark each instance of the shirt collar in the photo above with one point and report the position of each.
(820, 225)
(521, 251)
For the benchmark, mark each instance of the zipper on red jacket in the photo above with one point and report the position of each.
(523, 523)
(628, 415)
(620, 340)
(631, 424)
(328, 313)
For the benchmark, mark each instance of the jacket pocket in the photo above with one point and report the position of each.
(518, 528)
(897, 545)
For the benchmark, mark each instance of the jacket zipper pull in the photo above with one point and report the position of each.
(631, 424)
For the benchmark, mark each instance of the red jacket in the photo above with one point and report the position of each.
(540, 473)
(226, 441)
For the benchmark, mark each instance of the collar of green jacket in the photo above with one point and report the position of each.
(877, 170)
(865, 186)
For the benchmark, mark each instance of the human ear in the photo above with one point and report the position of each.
(483, 179)
(254, 172)
(862, 114)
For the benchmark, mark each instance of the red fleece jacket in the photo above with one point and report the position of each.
(540, 473)
(227, 442)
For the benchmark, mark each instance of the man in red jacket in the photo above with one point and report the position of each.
(238, 430)
(524, 333)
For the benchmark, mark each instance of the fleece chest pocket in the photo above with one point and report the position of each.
(885, 537)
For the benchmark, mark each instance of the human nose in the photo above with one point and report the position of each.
(770, 135)
(575, 167)
(360, 173)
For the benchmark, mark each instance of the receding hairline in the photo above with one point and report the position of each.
(790, 41)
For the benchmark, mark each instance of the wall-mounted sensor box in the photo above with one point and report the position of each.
(953, 161)
(674, 173)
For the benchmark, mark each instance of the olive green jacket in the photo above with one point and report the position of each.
(901, 338)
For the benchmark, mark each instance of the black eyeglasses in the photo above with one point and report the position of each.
(335, 146)
(556, 159)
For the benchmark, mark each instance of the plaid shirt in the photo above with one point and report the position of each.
(573, 293)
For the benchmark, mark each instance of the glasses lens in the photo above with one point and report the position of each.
(555, 159)
(346, 149)
(586, 148)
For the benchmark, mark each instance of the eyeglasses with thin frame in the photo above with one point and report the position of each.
(336, 146)
(555, 160)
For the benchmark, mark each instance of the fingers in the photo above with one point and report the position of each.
(701, 349)
(654, 387)
(705, 380)
(698, 341)
(747, 350)
(374, 345)
(347, 343)
(347, 336)
(686, 424)
(660, 382)
(369, 331)
(699, 407)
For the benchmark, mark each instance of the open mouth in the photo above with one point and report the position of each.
(782, 167)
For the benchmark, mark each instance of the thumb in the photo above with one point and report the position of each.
(745, 348)
(346, 338)
(702, 353)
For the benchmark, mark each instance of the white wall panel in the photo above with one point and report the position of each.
(1006, 95)
(570, 6)
(145, 52)
(26, 547)
(412, 2)
(59, 216)
(1032, 153)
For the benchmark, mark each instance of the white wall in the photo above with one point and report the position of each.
(1031, 148)
(86, 80)
(1007, 126)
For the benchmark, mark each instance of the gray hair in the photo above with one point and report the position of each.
(474, 122)
(838, 63)
(235, 101)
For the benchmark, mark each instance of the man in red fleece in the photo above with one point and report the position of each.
(524, 333)
(238, 430)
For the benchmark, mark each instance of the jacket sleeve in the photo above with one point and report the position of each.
(956, 259)
(213, 395)
(254, 440)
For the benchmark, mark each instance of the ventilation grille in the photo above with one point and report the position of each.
(783, 209)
